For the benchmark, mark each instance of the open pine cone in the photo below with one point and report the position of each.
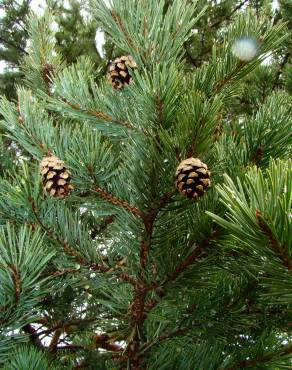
(118, 72)
(192, 178)
(55, 177)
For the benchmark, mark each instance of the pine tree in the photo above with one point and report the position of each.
(13, 36)
(169, 246)
(74, 37)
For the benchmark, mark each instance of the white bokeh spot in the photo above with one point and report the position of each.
(245, 48)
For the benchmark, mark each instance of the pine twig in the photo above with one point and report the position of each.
(102, 341)
(101, 115)
(238, 7)
(175, 333)
(17, 283)
(29, 329)
(193, 256)
(263, 359)
(72, 253)
(54, 342)
(116, 201)
(280, 70)
(65, 324)
(119, 22)
(229, 77)
(273, 242)
(58, 273)
(181, 268)
(141, 288)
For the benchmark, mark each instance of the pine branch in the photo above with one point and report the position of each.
(229, 77)
(58, 273)
(193, 256)
(54, 342)
(175, 333)
(29, 329)
(103, 116)
(105, 223)
(72, 347)
(261, 360)
(116, 201)
(138, 306)
(72, 253)
(120, 24)
(64, 324)
(21, 121)
(227, 17)
(102, 341)
(280, 70)
(10, 43)
(17, 283)
(196, 61)
(273, 242)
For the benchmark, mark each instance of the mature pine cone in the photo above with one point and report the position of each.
(192, 178)
(118, 72)
(55, 177)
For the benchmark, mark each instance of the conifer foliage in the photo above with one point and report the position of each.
(147, 263)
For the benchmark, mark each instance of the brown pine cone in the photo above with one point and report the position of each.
(192, 178)
(48, 72)
(118, 72)
(55, 177)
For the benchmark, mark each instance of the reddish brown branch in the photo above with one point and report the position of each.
(58, 273)
(119, 22)
(17, 283)
(116, 201)
(229, 77)
(197, 253)
(138, 306)
(72, 252)
(261, 360)
(106, 222)
(102, 341)
(193, 256)
(64, 325)
(29, 329)
(54, 342)
(257, 156)
(101, 115)
(71, 347)
(175, 333)
(273, 242)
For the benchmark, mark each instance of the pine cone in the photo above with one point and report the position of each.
(55, 177)
(48, 72)
(118, 72)
(192, 178)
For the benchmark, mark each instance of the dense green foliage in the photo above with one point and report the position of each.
(13, 36)
(126, 273)
(75, 36)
